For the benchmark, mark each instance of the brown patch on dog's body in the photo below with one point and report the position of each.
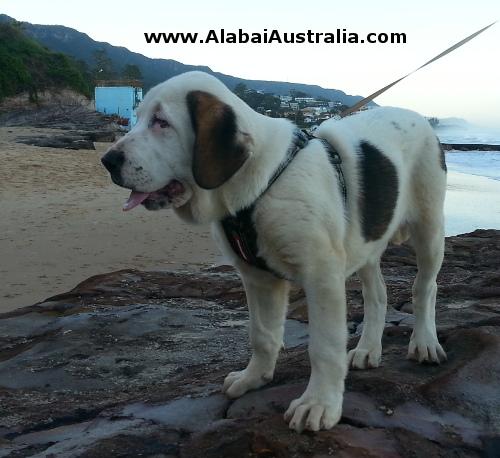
(379, 191)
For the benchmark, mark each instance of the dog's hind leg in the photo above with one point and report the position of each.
(428, 240)
(267, 298)
(368, 352)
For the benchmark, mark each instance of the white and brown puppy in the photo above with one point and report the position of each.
(199, 149)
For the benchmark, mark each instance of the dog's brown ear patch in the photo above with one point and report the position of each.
(218, 153)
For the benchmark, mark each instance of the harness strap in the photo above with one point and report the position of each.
(240, 229)
(300, 140)
(336, 160)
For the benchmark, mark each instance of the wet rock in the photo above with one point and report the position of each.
(72, 140)
(131, 364)
(470, 147)
(59, 141)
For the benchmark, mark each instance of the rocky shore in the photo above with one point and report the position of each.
(470, 147)
(55, 109)
(131, 364)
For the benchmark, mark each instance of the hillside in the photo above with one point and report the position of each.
(28, 67)
(79, 45)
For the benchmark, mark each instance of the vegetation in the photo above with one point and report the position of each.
(434, 122)
(104, 69)
(258, 101)
(132, 72)
(27, 66)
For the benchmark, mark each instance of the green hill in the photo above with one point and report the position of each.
(79, 45)
(27, 66)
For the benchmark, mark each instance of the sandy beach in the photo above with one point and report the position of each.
(472, 202)
(62, 222)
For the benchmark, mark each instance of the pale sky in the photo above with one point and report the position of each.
(464, 84)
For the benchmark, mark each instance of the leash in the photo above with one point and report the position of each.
(363, 102)
(239, 228)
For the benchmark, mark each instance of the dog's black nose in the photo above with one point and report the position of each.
(113, 160)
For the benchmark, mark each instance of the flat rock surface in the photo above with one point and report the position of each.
(131, 364)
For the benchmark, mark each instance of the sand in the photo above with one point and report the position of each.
(472, 202)
(61, 221)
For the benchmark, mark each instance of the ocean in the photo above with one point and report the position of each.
(480, 163)
(473, 192)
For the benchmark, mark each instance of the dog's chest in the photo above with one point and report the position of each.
(240, 229)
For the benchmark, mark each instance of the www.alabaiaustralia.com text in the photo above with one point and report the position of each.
(222, 36)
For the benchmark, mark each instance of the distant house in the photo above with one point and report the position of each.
(120, 97)
(305, 100)
(308, 111)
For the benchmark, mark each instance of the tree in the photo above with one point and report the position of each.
(337, 109)
(297, 117)
(132, 72)
(103, 66)
(434, 122)
(240, 90)
(84, 69)
(300, 94)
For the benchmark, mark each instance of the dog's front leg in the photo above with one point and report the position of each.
(267, 298)
(320, 406)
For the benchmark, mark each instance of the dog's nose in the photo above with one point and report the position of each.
(113, 160)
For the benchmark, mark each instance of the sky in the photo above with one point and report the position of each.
(464, 84)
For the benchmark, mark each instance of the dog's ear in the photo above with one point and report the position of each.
(219, 151)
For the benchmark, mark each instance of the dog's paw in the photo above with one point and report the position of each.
(426, 351)
(238, 383)
(314, 412)
(364, 358)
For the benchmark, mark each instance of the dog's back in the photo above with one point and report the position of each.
(395, 174)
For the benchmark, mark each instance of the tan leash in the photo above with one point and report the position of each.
(363, 102)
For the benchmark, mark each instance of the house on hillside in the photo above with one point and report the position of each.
(120, 97)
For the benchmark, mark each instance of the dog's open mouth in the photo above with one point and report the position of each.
(163, 198)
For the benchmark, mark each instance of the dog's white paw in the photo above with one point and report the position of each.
(314, 412)
(426, 350)
(238, 383)
(364, 358)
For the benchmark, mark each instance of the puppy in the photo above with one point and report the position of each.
(281, 209)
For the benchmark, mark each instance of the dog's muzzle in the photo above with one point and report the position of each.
(113, 161)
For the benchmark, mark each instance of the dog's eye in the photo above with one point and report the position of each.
(163, 123)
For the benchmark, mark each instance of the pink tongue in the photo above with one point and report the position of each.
(136, 198)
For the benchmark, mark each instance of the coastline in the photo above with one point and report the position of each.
(62, 222)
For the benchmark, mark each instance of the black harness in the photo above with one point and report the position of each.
(240, 229)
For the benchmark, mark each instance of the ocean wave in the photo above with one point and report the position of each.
(479, 138)
(479, 163)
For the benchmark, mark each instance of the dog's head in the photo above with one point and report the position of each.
(187, 137)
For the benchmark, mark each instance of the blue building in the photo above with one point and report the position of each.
(120, 98)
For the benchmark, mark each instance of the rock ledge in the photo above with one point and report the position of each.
(131, 364)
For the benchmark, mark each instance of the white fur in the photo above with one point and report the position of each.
(304, 231)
